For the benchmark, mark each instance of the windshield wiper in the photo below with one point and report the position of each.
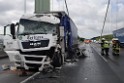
(40, 33)
(26, 33)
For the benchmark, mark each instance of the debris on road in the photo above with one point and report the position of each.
(5, 67)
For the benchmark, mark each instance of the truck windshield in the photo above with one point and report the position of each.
(35, 27)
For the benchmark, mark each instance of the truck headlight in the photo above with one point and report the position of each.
(17, 57)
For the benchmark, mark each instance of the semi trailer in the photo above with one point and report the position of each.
(41, 39)
(119, 33)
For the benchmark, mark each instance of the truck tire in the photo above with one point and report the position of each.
(57, 59)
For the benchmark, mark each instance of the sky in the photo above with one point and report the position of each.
(88, 15)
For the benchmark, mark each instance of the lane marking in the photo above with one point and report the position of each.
(100, 54)
(103, 57)
(24, 81)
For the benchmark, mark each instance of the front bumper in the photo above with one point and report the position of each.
(28, 61)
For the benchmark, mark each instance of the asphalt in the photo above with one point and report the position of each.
(91, 69)
(3, 54)
(8, 76)
(116, 63)
(94, 68)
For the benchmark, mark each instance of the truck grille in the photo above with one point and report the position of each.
(35, 44)
(33, 58)
(33, 65)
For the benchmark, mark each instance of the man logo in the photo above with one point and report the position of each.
(35, 44)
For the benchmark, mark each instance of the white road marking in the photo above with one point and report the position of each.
(100, 55)
(103, 57)
(24, 81)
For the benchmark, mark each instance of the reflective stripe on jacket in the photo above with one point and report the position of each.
(106, 45)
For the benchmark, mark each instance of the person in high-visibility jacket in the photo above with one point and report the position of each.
(115, 46)
(106, 47)
(102, 46)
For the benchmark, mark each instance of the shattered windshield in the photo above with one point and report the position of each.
(35, 27)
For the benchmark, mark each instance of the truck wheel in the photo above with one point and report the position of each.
(57, 59)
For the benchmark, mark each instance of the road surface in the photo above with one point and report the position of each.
(94, 68)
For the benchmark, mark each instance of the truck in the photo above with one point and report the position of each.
(119, 33)
(41, 39)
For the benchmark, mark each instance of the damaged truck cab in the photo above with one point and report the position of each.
(39, 40)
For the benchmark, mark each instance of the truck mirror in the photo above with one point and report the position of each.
(17, 24)
(4, 30)
(12, 30)
(61, 31)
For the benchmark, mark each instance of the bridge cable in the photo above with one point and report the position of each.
(66, 7)
(105, 18)
(116, 13)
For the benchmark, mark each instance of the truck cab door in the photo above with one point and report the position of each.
(8, 38)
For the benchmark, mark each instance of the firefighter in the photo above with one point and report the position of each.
(115, 46)
(102, 46)
(106, 47)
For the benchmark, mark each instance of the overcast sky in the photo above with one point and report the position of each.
(88, 15)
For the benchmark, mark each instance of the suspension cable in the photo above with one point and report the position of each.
(105, 18)
(25, 3)
(116, 13)
(67, 7)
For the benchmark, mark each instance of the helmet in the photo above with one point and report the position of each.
(106, 42)
(103, 38)
(115, 39)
